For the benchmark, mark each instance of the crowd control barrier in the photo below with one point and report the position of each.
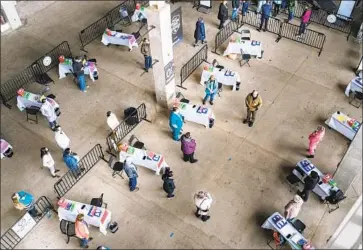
(192, 64)
(125, 127)
(9, 88)
(13, 236)
(69, 179)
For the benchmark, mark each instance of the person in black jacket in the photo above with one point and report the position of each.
(168, 185)
(309, 184)
(222, 14)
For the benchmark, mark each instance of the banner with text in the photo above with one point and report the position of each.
(177, 25)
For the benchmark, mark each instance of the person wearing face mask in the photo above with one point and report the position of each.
(78, 70)
(176, 121)
(211, 88)
(203, 201)
(48, 161)
(71, 160)
(50, 110)
(253, 103)
(222, 14)
(265, 15)
(199, 33)
(145, 50)
(61, 138)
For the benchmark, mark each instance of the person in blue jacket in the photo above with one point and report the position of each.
(211, 88)
(176, 121)
(71, 159)
(265, 15)
(23, 200)
(245, 4)
(199, 33)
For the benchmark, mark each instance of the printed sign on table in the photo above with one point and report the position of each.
(24, 225)
(279, 221)
(307, 166)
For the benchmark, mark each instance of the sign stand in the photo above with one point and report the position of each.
(203, 6)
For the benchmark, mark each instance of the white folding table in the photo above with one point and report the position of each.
(200, 114)
(224, 76)
(340, 122)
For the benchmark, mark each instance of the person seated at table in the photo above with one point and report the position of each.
(310, 183)
(199, 33)
(265, 15)
(168, 184)
(78, 70)
(293, 208)
(176, 122)
(61, 138)
(82, 232)
(112, 120)
(131, 172)
(50, 109)
(211, 88)
(253, 103)
(23, 200)
(71, 160)
(188, 146)
(314, 139)
(145, 50)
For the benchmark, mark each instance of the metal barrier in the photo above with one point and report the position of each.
(192, 64)
(10, 239)
(9, 88)
(254, 20)
(125, 127)
(224, 34)
(69, 179)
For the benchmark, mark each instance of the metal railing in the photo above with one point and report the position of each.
(9, 88)
(224, 34)
(192, 64)
(10, 239)
(254, 20)
(125, 127)
(69, 179)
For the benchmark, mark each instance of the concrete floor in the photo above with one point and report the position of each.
(299, 89)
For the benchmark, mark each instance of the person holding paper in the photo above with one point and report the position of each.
(145, 50)
(176, 122)
(210, 89)
(48, 110)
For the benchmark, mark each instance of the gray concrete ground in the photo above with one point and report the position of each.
(299, 89)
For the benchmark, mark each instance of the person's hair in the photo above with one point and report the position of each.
(175, 108)
(170, 174)
(108, 113)
(67, 151)
(201, 194)
(187, 134)
(43, 151)
(78, 58)
(80, 217)
(314, 174)
(14, 197)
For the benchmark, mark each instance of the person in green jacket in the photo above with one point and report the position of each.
(291, 8)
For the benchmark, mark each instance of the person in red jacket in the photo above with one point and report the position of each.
(305, 18)
(314, 139)
(188, 146)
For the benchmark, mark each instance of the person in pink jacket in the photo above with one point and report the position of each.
(305, 18)
(314, 139)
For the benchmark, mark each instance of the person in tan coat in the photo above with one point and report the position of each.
(293, 208)
(253, 103)
(145, 50)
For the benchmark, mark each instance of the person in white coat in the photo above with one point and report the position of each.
(112, 120)
(48, 162)
(48, 109)
(203, 200)
(292, 209)
(61, 138)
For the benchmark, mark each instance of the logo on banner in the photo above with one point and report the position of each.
(177, 25)
(169, 72)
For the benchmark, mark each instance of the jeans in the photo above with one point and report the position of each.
(189, 157)
(207, 96)
(33, 212)
(148, 62)
(52, 124)
(251, 115)
(176, 133)
(264, 19)
(276, 9)
(244, 9)
(82, 82)
(83, 242)
(76, 172)
(132, 183)
(291, 16)
(302, 28)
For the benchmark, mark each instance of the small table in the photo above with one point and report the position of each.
(196, 113)
(355, 85)
(120, 39)
(303, 169)
(224, 76)
(278, 223)
(95, 216)
(27, 100)
(144, 158)
(254, 48)
(343, 124)
(89, 69)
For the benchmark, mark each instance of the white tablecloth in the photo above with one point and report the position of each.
(199, 114)
(354, 85)
(254, 48)
(138, 15)
(322, 189)
(4, 147)
(339, 122)
(120, 39)
(95, 216)
(225, 76)
(141, 157)
(28, 100)
(278, 223)
(64, 69)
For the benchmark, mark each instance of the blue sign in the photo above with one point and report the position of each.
(279, 221)
(255, 43)
(228, 73)
(307, 166)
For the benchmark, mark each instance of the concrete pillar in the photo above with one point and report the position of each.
(161, 46)
(11, 13)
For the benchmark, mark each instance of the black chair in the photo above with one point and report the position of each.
(68, 228)
(293, 181)
(98, 202)
(32, 111)
(356, 97)
(220, 88)
(116, 166)
(181, 97)
(245, 58)
(333, 199)
(136, 143)
(40, 77)
(299, 225)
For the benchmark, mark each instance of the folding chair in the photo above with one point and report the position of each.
(137, 144)
(356, 97)
(245, 35)
(68, 228)
(116, 166)
(98, 202)
(32, 111)
(293, 181)
(245, 58)
(220, 88)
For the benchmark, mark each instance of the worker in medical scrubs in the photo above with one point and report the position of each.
(176, 121)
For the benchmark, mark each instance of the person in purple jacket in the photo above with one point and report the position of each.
(188, 146)
(305, 18)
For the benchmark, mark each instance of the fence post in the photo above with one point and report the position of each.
(279, 36)
(80, 38)
(215, 44)
(322, 46)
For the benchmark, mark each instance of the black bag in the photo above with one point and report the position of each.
(113, 227)
(57, 111)
(131, 117)
(335, 197)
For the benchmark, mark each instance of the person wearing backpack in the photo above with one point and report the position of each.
(71, 160)
(168, 185)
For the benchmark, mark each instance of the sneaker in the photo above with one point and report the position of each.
(250, 124)
(245, 121)
(203, 102)
(56, 176)
(86, 246)
(264, 30)
(57, 170)
(205, 218)
(259, 30)
(194, 161)
(196, 214)
(135, 190)
(84, 91)
(171, 197)
(87, 86)
(90, 238)
(211, 103)
(310, 156)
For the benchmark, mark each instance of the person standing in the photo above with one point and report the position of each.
(235, 7)
(265, 15)
(78, 70)
(245, 4)
(48, 109)
(314, 139)
(222, 14)
(293, 208)
(188, 146)
(310, 183)
(291, 9)
(82, 232)
(23, 200)
(259, 5)
(168, 184)
(145, 50)
(131, 172)
(48, 161)
(176, 122)
(199, 33)
(203, 201)
(277, 6)
(71, 160)
(211, 88)
(112, 120)
(61, 138)
(253, 103)
(305, 18)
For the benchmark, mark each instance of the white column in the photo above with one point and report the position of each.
(161, 46)
(11, 13)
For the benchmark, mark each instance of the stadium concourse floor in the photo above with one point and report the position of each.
(243, 168)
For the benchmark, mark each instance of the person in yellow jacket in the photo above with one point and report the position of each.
(82, 232)
(253, 102)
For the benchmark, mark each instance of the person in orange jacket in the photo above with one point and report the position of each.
(314, 139)
(82, 231)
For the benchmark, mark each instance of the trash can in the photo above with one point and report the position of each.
(131, 116)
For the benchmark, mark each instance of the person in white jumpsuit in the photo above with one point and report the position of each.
(61, 138)
(48, 161)
(48, 110)
(203, 201)
(112, 120)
